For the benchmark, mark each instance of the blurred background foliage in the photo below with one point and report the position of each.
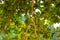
(29, 19)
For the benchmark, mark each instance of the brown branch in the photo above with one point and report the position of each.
(27, 31)
(32, 9)
(19, 1)
(33, 19)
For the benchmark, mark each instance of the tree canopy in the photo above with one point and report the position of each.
(29, 19)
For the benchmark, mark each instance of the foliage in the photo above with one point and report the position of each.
(28, 19)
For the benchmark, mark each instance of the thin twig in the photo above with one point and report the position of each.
(33, 19)
(27, 31)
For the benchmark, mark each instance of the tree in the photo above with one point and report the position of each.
(28, 19)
